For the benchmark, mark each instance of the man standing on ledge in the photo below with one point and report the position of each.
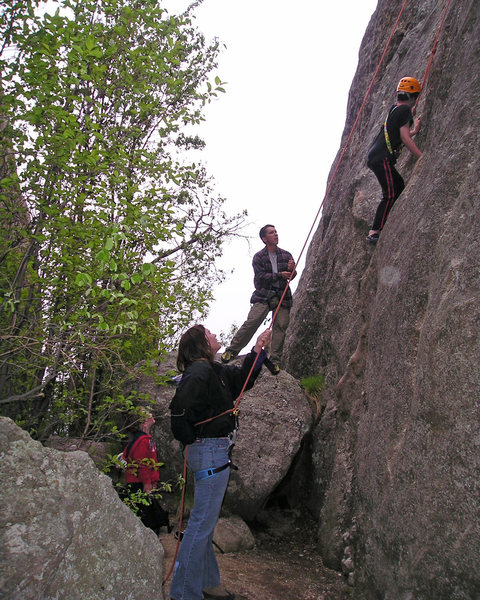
(272, 269)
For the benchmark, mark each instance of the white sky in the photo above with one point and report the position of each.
(271, 139)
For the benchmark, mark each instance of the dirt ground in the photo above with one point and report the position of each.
(284, 565)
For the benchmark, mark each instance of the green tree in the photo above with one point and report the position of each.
(111, 233)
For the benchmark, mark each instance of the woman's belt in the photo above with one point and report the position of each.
(199, 475)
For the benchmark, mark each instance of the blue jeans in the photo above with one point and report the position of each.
(196, 567)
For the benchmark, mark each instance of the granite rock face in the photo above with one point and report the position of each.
(64, 533)
(394, 328)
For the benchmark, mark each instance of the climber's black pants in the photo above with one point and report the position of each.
(392, 186)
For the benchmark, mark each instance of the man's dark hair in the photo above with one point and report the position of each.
(263, 231)
(193, 346)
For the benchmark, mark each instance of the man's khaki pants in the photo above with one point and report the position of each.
(257, 314)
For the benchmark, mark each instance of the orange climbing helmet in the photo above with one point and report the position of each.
(409, 85)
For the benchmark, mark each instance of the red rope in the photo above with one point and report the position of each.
(347, 143)
(182, 503)
(329, 186)
(427, 70)
(235, 408)
(434, 50)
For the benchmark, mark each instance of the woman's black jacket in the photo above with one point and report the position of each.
(208, 389)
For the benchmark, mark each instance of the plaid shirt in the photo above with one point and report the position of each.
(267, 283)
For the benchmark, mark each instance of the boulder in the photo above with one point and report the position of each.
(275, 417)
(98, 451)
(64, 533)
(232, 534)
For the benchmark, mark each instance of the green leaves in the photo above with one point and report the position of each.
(83, 280)
(111, 231)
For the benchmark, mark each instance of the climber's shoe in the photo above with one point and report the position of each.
(372, 238)
(271, 366)
(223, 595)
(275, 370)
(227, 356)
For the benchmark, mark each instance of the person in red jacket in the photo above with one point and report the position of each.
(142, 472)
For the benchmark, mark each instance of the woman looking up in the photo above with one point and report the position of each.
(207, 389)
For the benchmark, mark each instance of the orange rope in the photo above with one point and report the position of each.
(182, 502)
(434, 50)
(329, 186)
(321, 205)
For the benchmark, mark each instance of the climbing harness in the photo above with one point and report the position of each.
(398, 150)
(387, 137)
(200, 475)
(205, 473)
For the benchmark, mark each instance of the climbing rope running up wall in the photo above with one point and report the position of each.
(347, 143)
(395, 26)
(234, 410)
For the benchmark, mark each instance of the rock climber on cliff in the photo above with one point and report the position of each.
(396, 132)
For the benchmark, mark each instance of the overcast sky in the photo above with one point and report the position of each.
(271, 139)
